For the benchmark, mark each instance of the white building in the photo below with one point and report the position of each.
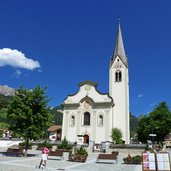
(90, 115)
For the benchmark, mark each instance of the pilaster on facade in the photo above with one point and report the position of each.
(67, 123)
(107, 131)
(78, 124)
(94, 118)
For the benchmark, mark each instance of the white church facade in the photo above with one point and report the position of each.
(89, 115)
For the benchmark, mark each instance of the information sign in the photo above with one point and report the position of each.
(163, 162)
(152, 135)
(148, 162)
(155, 161)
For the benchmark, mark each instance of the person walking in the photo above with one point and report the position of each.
(43, 161)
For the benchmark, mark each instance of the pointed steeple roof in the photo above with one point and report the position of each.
(119, 48)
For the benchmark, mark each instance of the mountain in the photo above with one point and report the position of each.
(57, 115)
(7, 91)
(134, 121)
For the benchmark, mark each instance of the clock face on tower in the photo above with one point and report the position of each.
(118, 65)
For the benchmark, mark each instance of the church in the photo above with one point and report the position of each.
(89, 115)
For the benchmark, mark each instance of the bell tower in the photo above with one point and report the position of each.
(119, 87)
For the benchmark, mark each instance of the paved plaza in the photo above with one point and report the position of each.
(13, 163)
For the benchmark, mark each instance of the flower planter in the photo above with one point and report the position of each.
(115, 152)
(80, 155)
(78, 158)
(132, 160)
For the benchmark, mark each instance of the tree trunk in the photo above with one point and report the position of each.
(26, 147)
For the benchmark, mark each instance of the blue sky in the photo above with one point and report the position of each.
(59, 43)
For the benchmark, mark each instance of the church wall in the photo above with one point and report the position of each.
(89, 91)
(95, 131)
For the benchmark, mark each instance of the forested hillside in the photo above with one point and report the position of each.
(56, 112)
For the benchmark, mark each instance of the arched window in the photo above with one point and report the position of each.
(118, 76)
(86, 118)
(72, 120)
(100, 120)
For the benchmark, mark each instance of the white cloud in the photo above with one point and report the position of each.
(16, 59)
(140, 95)
(18, 72)
(40, 70)
(153, 104)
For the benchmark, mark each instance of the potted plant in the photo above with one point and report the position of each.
(132, 159)
(127, 160)
(79, 156)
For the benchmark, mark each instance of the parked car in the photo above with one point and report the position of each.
(167, 143)
(52, 137)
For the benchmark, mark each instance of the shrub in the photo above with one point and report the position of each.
(23, 144)
(44, 144)
(82, 152)
(117, 136)
(65, 145)
(136, 159)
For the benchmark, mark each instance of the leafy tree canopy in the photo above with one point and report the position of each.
(4, 100)
(157, 122)
(29, 114)
(3, 115)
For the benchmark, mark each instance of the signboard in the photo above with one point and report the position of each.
(155, 161)
(148, 161)
(152, 135)
(80, 139)
(163, 162)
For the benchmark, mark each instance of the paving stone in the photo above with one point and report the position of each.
(13, 163)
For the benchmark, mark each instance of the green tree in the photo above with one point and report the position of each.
(29, 114)
(4, 100)
(3, 115)
(117, 136)
(157, 122)
(143, 129)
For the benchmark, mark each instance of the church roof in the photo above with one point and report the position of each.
(88, 92)
(119, 48)
(89, 82)
(54, 128)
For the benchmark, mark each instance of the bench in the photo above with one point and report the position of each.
(106, 158)
(15, 151)
(56, 153)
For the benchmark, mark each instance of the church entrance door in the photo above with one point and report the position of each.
(86, 139)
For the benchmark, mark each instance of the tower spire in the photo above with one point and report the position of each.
(119, 47)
